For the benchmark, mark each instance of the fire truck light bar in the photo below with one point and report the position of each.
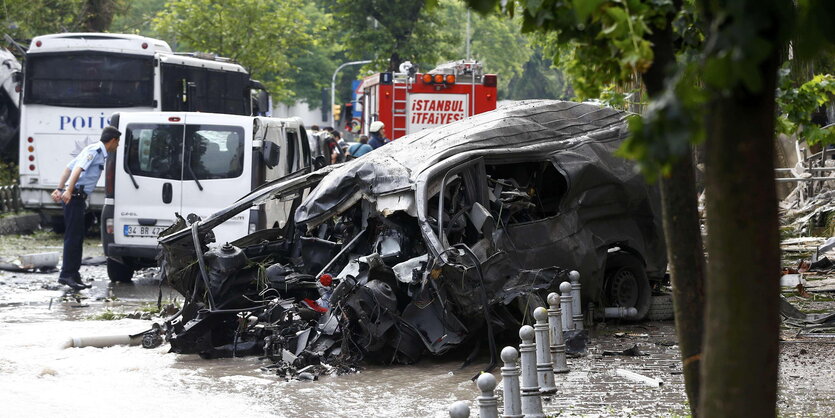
(438, 78)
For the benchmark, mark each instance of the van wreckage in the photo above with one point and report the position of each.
(444, 238)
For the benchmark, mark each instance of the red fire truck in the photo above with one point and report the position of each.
(409, 101)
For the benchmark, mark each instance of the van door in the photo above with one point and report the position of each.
(217, 164)
(148, 178)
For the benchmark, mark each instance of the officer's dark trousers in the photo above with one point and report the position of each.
(73, 236)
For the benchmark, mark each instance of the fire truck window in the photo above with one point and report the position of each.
(525, 192)
(154, 150)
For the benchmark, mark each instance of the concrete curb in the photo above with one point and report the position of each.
(25, 223)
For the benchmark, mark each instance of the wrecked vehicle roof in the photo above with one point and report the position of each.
(444, 236)
(534, 126)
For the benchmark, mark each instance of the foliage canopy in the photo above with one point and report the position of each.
(260, 35)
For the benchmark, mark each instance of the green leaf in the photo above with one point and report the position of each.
(584, 8)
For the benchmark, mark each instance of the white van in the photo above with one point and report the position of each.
(191, 164)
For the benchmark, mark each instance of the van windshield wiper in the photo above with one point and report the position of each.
(127, 170)
(194, 177)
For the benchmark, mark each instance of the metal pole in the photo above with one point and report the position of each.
(531, 397)
(510, 381)
(459, 409)
(488, 402)
(544, 367)
(333, 86)
(555, 324)
(565, 306)
(574, 276)
(468, 37)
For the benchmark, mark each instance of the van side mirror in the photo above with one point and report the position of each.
(270, 154)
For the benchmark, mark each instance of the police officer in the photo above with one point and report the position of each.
(78, 179)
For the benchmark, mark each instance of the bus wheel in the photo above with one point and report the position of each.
(118, 271)
(626, 284)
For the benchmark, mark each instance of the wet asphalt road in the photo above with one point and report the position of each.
(40, 378)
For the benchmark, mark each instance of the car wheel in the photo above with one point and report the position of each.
(626, 284)
(118, 272)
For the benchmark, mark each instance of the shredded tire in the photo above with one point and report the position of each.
(661, 308)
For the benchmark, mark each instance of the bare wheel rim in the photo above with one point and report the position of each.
(623, 288)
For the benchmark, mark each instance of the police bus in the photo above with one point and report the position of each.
(73, 82)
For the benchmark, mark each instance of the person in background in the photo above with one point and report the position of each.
(358, 149)
(337, 154)
(338, 137)
(78, 179)
(377, 136)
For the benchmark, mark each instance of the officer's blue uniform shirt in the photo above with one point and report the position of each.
(91, 159)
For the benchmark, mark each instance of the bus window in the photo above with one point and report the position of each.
(88, 79)
(190, 88)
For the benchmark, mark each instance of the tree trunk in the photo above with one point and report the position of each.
(98, 15)
(739, 364)
(685, 251)
(687, 268)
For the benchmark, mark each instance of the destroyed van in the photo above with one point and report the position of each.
(446, 238)
(192, 164)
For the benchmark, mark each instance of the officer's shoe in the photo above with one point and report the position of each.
(80, 282)
(71, 283)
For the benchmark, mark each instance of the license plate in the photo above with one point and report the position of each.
(143, 231)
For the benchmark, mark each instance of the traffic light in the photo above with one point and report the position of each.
(337, 109)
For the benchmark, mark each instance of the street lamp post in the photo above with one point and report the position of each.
(333, 86)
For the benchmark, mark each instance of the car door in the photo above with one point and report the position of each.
(147, 189)
(217, 160)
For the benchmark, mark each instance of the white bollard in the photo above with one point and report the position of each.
(531, 399)
(576, 305)
(459, 409)
(544, 367)
(510, 383)
(488, 403)
(565, 304)
(555, 325)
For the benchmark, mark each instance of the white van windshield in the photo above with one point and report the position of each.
(211, 151)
